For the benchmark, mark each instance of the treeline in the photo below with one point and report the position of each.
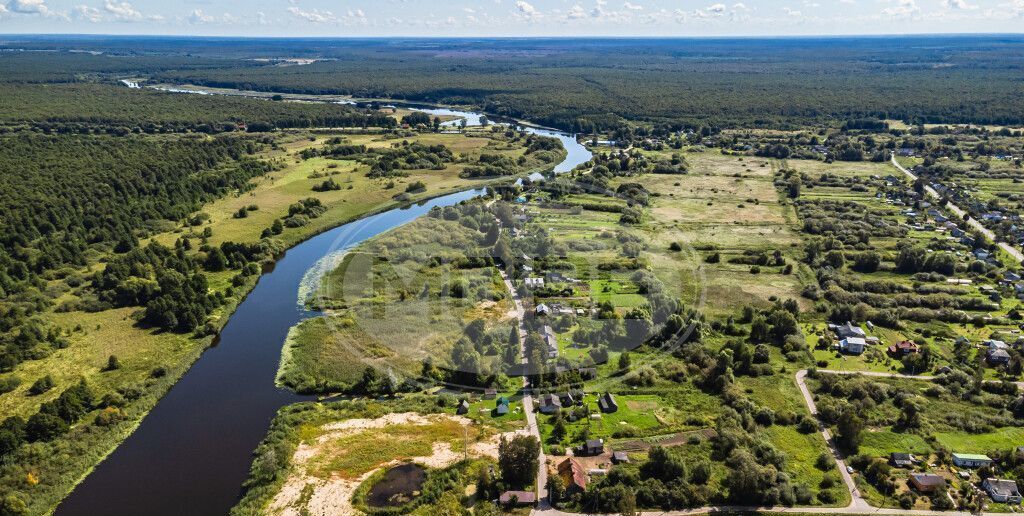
(111, 109)
(593, 86)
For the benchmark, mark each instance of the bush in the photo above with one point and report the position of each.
(41, 385)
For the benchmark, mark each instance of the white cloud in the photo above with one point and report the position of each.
(314, 16)
(29, 7)
(527, 10)
(710, 11)
(261, 17)
(959, 4)
(905, 8)
(86, 13)
(1015, 7)
(355, 16)
(633, 7)
(3, 8)
(122, 11)
(197, 16)
(791, 12)
(576, 13)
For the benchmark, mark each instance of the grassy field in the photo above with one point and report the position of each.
(728, 205)
(377, 315)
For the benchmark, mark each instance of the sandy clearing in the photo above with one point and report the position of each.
(333, 496)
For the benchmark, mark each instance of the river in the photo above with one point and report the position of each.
(191, 453)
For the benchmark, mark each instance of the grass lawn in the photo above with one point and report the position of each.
(881, 443)
(1001, 439)
(637, 415)
(802, 451)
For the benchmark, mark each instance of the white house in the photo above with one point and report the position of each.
(534, 282)
(852, 345)
(971, 460)
(1002, 491)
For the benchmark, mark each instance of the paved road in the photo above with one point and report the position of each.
(959, 212)
(857, 502)
(531, 417)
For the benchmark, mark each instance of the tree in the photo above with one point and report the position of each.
(848, 435)
(517, 459)
(558, 430)
(867, 262)
(13, 505)
(475, 330)
(44, 427)
(663, 466)
(759, 330)
(624, 360)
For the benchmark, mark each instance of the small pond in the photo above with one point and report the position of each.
(398, 487)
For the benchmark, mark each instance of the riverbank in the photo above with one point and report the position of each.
(152, 362)
(348, 204)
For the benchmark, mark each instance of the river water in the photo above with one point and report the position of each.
(191, 453)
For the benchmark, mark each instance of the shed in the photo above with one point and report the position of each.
(606, 402)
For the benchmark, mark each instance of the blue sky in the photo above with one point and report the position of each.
(343, 18)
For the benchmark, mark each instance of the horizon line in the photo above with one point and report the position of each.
(532, 37)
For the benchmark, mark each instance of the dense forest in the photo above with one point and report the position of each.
(581, 85)
(108, 108)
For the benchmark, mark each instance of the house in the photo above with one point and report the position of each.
(971, 460)
(927, 482)
(532, 283)
(550, 342)
(998, 357)
(1002, 490)
(521, 498)
(549, 404)
(962, 341)
(574, 477)
(501, 406)
(852, 345)
(1011, 276)
(903, 348)
(542, 309)
(993, 344)
(849, 330)
(463, 407)
(606, 402)
(558, 277)
(567, 399)
(490, 393)
(592, 447)
(536, 176)
(620, 457)
(902, 460)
